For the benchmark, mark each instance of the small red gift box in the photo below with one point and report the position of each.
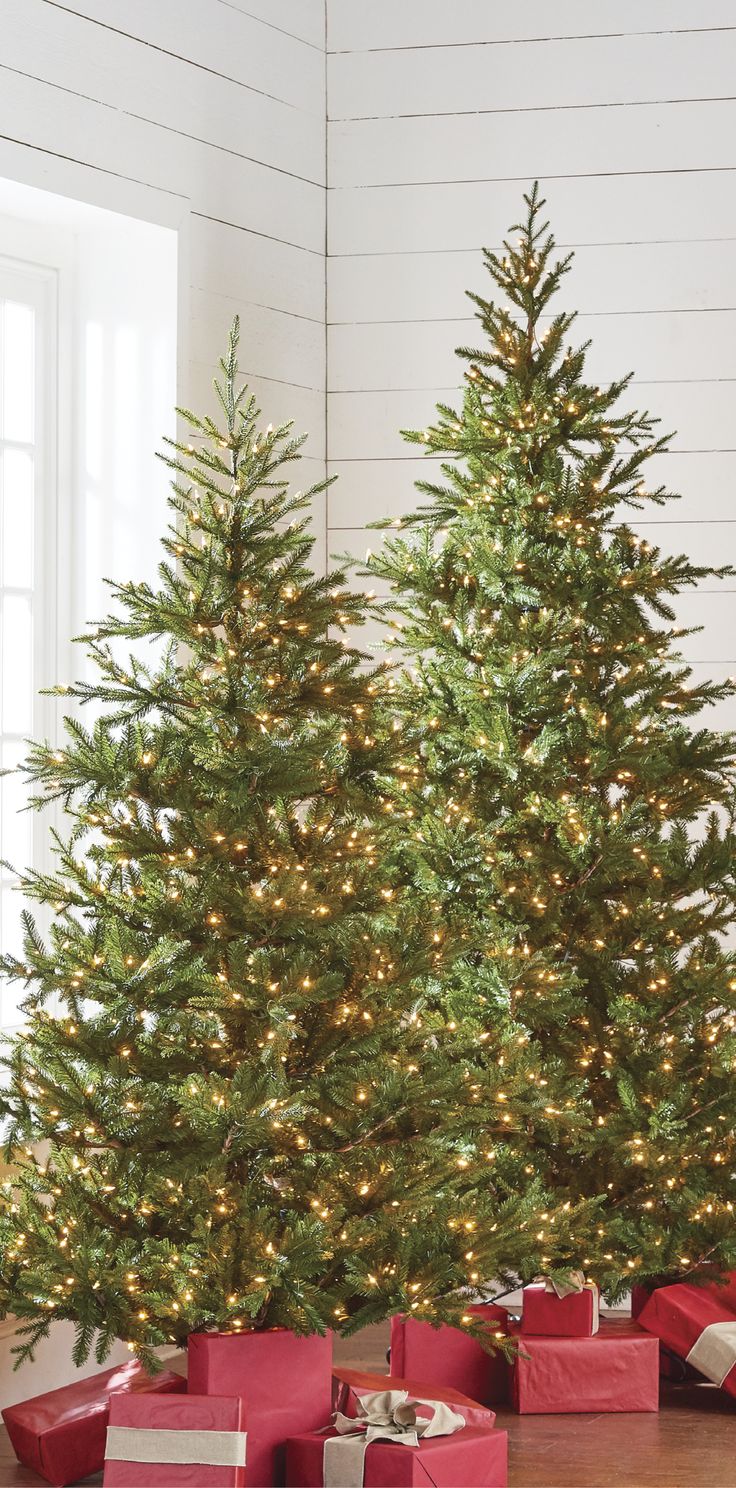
(61, 1435)
(351, 1384)
(698, 1324)
(448, 1356)
(616, 1370)
(164, 1441)
(573, 1316)
(285, 1381)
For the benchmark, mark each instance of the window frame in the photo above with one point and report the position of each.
(35, 276)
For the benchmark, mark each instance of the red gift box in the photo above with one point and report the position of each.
(350, 1384)
(698, 1324)
(639, 1297)
(472, 1457)
(61, 1435)
(285, 1381)
(616, 1370)
(164, 1441)
(448, 1356)
(574, 1316)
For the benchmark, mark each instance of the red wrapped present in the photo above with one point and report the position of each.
(448, 1356)
(398, 1442)
(571, 1312)
(699, 1325)
(164, 1441)
(285, 1381)
(724, 1289)
(61, 1435)
(616, 1370)
(351, 1384)
(639, 1297)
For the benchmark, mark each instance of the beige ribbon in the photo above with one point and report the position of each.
(205, 1448)
(387, 1415)
(575, 1283)
(714, 1352)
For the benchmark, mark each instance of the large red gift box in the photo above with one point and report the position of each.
(573, 1316)
(448, 1356)
(350, 1384)
(698, 1324)
(285, 1381)
(170, 1441)
(61, 1435)
(616, 1370)
(471, 1457)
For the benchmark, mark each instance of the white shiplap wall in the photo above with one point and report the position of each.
(209, 114)
(439, 116)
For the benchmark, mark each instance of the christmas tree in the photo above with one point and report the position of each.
(559, 725)
(236, 1101)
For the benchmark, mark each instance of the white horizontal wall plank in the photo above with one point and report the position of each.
(303, 18)
(368, 490)
(575, 73)
(604, 279)
(366, 425)
(705, 544)
(713, 616)
(464, 215)
(487, 147)
(138, 80)
(284, 347)
(680, 346)
(355, 26)
(215, 183)
(254, 269)
(225, 41)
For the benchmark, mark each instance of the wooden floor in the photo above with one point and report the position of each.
(690, 1444)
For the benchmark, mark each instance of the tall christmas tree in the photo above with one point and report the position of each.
(556, 723)
(233, 1104)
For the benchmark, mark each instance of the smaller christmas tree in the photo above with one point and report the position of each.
(555, 719)
(234, 1103)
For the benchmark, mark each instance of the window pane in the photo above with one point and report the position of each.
(17, 533)
(17, 665)
(11, 935)
(18, 360)
(16, 826)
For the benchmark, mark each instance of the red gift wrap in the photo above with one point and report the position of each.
(639, 1297)
(169, 1441)
(61, 1435)
(448, 1356)
(699, 1325)
(616, 1370)
(285, 1381)
(350, 1384)
(573, 1316)
(472, 1457)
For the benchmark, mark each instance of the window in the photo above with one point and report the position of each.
(88, 359)
(27, 568)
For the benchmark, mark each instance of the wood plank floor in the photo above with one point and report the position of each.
(690, 1444)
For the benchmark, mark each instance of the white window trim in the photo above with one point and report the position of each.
(36, 265)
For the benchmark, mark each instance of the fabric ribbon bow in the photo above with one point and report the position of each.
(388, 1415)
(575, 1283)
